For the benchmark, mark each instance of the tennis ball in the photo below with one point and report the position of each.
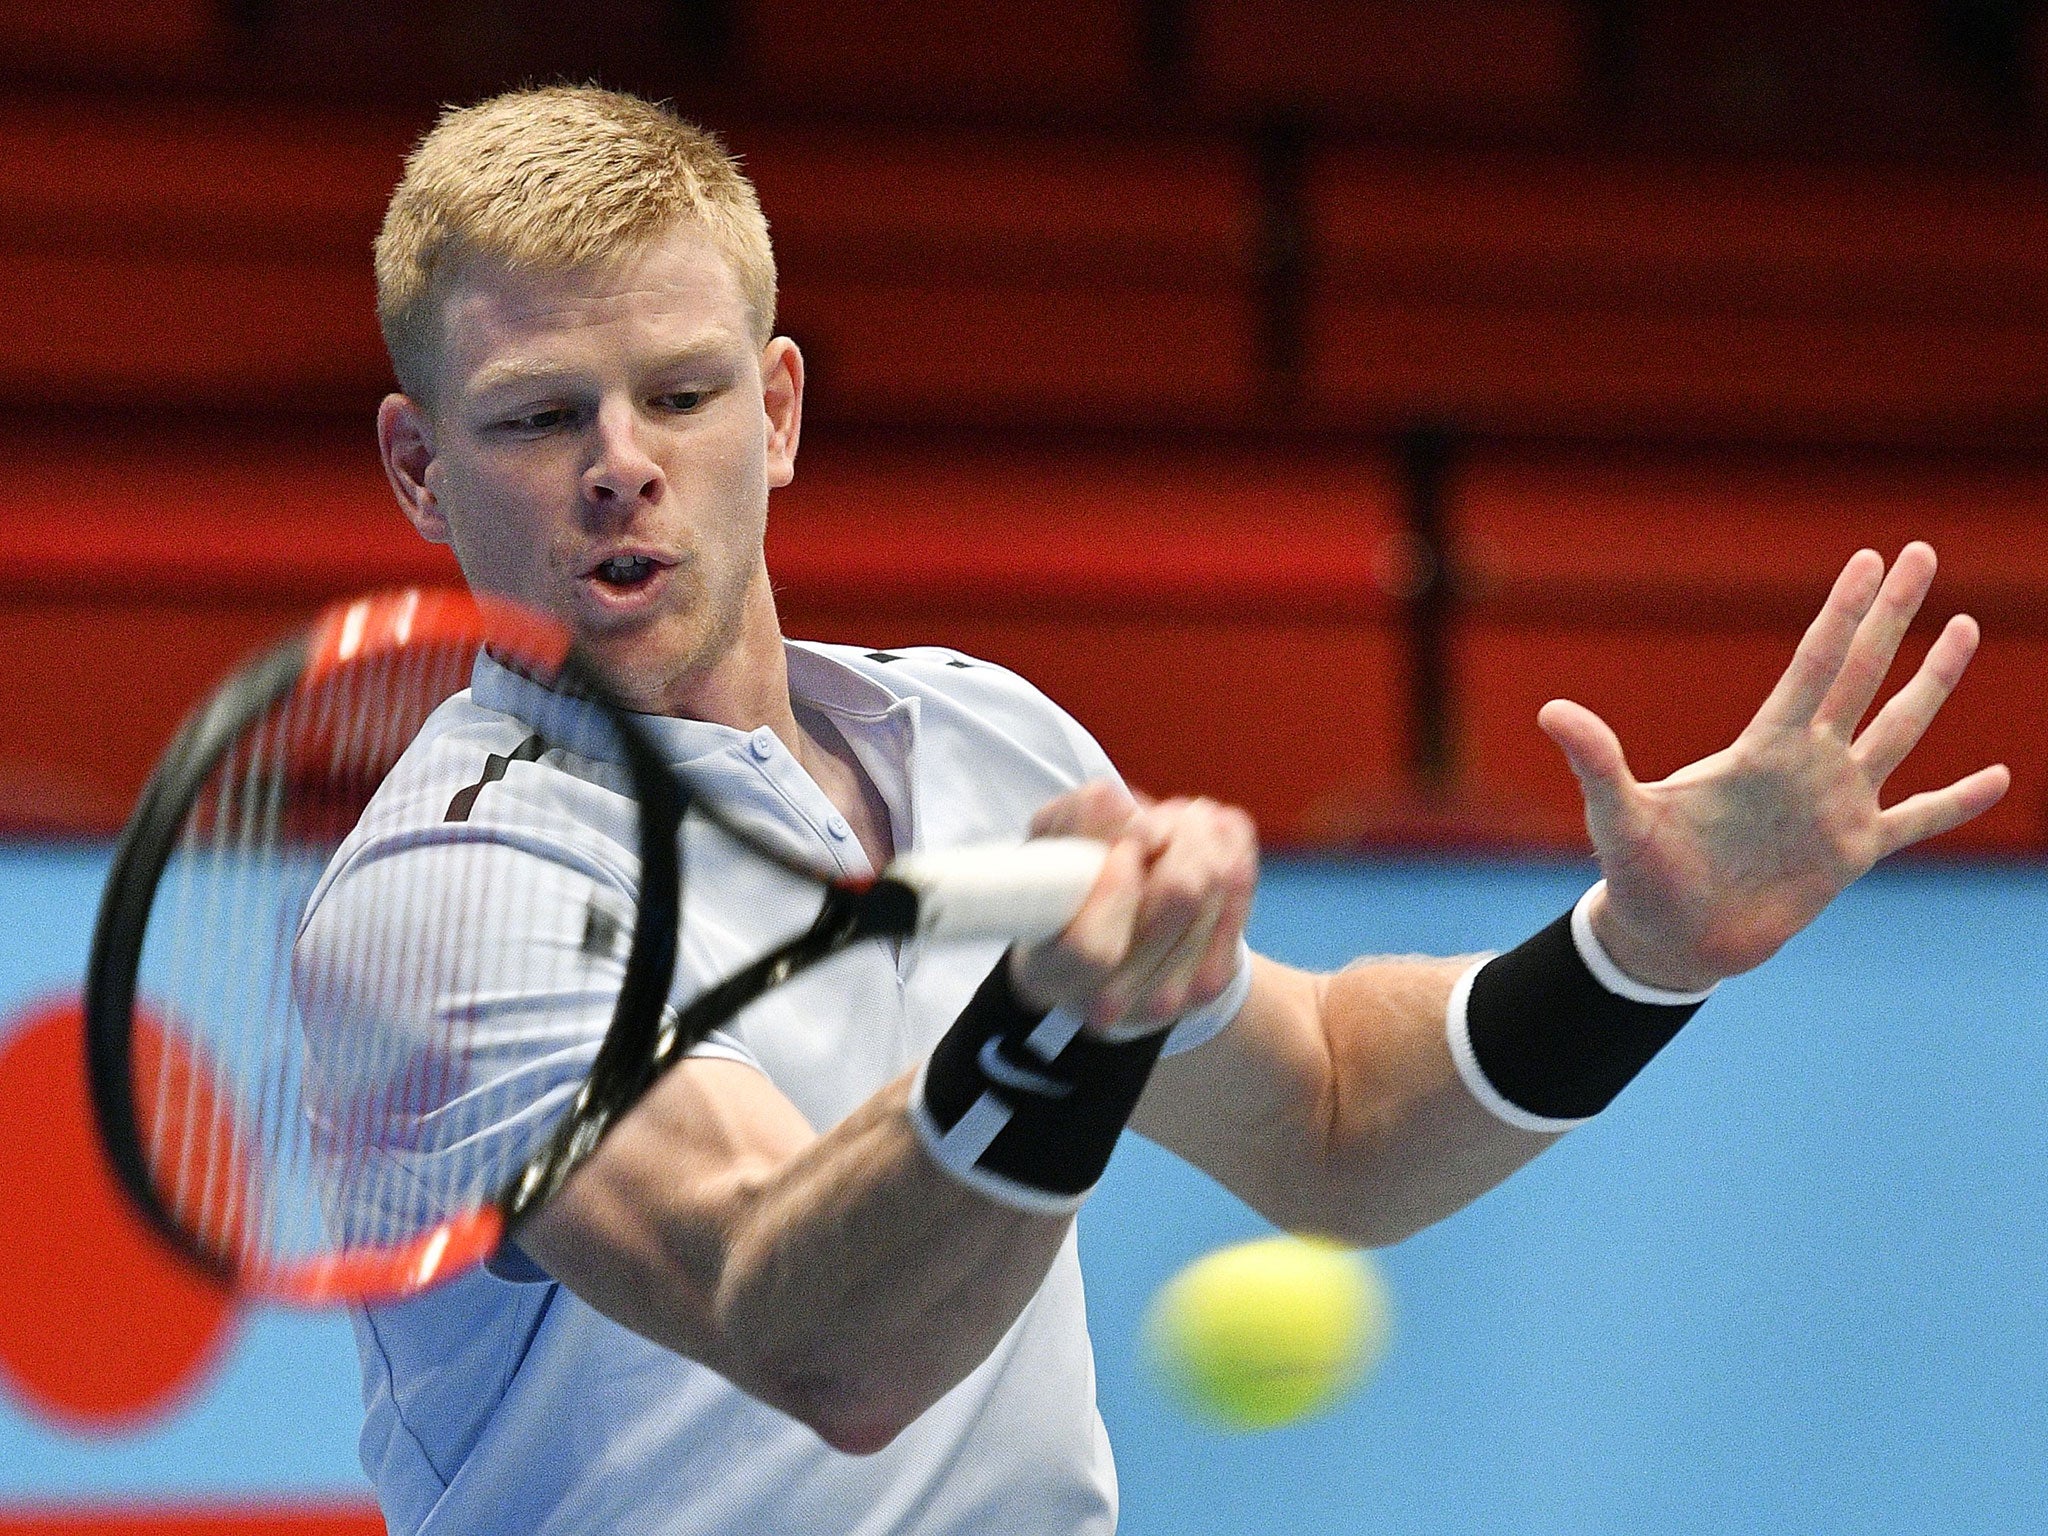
(1263, 1333)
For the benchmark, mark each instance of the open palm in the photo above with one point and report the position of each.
(1710, 871)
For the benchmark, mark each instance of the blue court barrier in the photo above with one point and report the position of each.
(1791, 1282)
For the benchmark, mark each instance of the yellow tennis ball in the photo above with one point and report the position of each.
(1263, 1333)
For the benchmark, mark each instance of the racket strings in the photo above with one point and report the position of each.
(288, 1113)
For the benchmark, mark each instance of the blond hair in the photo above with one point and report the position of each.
(552, 180)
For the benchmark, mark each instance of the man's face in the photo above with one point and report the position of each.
(601, 449)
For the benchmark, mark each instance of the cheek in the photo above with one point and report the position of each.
(491, 522)
(731, 490)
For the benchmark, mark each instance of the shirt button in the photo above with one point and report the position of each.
(838, 828)
(762, 744)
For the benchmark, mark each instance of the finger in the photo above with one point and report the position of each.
(1073, 964)
(1898, 727)
(1182, 896)
(1219, 966)
(1204, 963)
(1594, 752)
(1099, 809)
(1877, 639)
(1162, 995)
(1157, 822)
(1824, 646)
(1932, 812)
(1237, 840)
(1199, 892)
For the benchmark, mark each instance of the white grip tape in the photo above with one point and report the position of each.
(1020, 892)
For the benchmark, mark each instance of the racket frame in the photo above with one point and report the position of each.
(644, 1039)
(621, 1073)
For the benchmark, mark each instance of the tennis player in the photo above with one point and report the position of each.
(824, 1279)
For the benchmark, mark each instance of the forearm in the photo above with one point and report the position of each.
(1332, 1105)
(1405, 1144)
(861, 1282)
(845, 1279)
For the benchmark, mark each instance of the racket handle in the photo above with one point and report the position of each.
(1019, 892)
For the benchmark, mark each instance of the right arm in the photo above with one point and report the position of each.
(844, 1279)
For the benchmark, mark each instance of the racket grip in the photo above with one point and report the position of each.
(1020, 892)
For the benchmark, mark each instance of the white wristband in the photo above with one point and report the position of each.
(1612, 976)
(1215, 1016)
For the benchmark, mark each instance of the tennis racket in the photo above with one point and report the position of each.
(305, 1124)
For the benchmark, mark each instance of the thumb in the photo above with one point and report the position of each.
(1594, 752)
(1100, 809)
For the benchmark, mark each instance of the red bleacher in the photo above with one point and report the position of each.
(1084, 277)
(974, 56)
(1489, 61)
(1194, 355)
(1667, 597)
(110, 36)
(1646, 298)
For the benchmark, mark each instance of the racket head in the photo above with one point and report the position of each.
(248, 1138)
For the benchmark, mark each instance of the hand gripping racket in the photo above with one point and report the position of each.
(276, 1133)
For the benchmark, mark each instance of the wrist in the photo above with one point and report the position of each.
(1019, 1104)
(1640, 959)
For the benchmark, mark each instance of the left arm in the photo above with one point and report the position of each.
(1332, 1103)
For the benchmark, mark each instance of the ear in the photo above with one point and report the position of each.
(405, 442)
(782, 396)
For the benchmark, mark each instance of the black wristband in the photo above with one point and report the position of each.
(1552, 1041)
(1023, 1106)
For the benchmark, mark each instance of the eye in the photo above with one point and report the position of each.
(683, 399)
(544, 420)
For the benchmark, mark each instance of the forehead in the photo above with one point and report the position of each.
(673, 288)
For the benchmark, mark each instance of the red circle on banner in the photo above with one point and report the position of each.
(104, 1325)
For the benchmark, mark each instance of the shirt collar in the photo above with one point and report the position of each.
(815, 678)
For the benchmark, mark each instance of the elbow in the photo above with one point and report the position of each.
(1380, 1229)
(1351, 1228)
(1344, 1212)
(853, 1420)
(860, 1436)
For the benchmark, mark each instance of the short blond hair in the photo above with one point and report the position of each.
(554, 179)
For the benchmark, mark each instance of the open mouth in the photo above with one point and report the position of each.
(623, 573)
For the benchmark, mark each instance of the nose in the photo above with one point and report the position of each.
(621, 476)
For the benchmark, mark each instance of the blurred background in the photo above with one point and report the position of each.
(1301, 392)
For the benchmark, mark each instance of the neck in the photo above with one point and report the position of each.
(746, 685)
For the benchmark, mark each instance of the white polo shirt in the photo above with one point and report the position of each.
(500, 1402)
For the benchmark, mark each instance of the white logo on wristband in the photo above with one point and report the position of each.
(958, 1151)
(1001, 1069)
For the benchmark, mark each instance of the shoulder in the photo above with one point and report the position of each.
(476, 776)
(964, 697)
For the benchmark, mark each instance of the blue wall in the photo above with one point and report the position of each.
(1787, 1284)
(1792, 1282)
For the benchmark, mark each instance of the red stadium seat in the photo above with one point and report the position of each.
(1668, 597)
(110, 34)
(1478, 62)
(221, 258)
(969, 56)
(1217, 618)
(947, 278)
(1645, 299)
(139, 569)
(192, 257)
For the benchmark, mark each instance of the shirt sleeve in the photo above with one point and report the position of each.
(451, 997)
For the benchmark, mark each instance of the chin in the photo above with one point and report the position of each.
(651, 666)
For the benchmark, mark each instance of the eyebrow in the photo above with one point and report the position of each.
(519, 372)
